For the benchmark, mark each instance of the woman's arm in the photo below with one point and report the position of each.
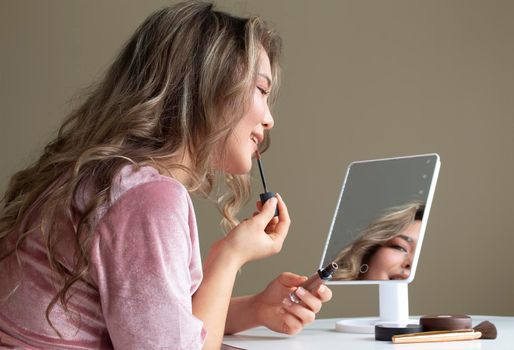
(141, 264)
(268, 308)
(253, 239)
(242, 314)
(212, 298)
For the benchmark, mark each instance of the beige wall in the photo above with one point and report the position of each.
(363, 80)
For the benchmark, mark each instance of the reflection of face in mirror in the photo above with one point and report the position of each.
(385, 249)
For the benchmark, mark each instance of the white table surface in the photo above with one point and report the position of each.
(321, 334)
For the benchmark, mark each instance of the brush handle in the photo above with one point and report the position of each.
(437, 336)
(267, 195)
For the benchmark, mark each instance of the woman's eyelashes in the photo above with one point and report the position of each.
(402, 249)
(263, 91)
(399, 248)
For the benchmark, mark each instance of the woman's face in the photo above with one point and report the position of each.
(393, 260)
(249, 131)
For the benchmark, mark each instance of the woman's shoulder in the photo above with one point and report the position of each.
(131, 178)
(144, 184)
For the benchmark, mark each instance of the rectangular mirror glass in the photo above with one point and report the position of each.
(380, 219)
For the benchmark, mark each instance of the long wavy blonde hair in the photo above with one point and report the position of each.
(375, 235)
(180, 84)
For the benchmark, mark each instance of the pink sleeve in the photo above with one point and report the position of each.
(142, 257)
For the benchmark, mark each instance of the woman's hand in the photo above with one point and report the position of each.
(262, 235)
(274, 310)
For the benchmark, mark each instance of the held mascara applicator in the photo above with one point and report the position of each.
(314, 281)
(266, 195)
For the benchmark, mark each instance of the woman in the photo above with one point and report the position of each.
(385, 249)
(98, 240)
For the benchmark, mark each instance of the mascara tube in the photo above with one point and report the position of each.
(312, 284)
(267, 194)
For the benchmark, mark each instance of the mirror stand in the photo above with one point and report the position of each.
(394, 308)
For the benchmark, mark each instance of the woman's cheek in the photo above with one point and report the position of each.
(383, 263)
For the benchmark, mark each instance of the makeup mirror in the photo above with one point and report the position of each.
(378, 228)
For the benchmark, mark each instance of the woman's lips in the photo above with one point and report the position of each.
(256, 143)
(400, 276)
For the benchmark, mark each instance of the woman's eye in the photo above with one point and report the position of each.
(400, 248)
(263, 91)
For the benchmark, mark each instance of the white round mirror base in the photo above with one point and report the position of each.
(394, 308)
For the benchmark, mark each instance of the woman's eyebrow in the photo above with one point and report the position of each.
(407, 238)
(268, 79)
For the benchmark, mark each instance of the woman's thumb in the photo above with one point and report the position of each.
(290, 279)
(268, 210)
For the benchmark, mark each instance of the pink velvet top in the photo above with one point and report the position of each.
(145, 267)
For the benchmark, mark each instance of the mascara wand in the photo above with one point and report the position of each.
(266, 195)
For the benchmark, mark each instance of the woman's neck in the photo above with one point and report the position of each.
(183, 159)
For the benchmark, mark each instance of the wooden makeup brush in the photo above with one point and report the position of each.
(483, 330)
(437, 336)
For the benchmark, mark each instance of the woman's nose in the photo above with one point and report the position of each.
(406, 264)
(268, 121)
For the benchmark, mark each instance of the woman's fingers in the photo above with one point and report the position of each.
(276, 228)
(272, 223)
(290, 324)
(283, 216)
(275, 219)
(324, 293)
(299, 311)
(280, 229)
(290, 279)
(308, 300)
(267, 212)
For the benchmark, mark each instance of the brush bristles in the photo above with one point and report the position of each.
(487, 329)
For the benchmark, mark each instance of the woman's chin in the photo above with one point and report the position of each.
(240, 168)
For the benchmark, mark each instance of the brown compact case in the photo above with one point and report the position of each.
(445, 322)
